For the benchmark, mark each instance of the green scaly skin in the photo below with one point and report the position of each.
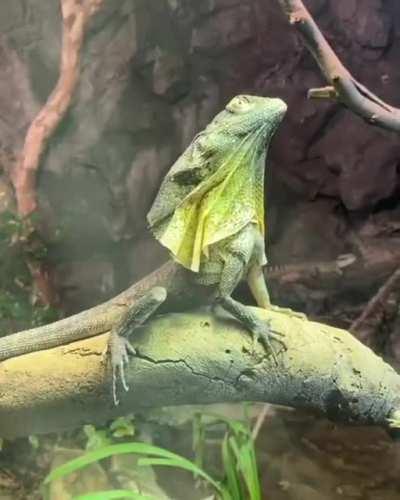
(209, 213)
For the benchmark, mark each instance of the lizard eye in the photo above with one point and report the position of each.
(238, 104)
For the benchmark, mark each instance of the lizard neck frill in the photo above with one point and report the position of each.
(221, 205)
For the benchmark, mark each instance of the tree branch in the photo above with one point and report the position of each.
(195, 358)
(343, 86)
(377, 301)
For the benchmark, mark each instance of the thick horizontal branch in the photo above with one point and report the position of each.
(343, 86)
(198, 358)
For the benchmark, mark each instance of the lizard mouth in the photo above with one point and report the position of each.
(279, 109)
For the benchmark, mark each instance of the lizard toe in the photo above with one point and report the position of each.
(265, 335)
(120, 349)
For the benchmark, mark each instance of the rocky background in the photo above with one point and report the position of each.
(154, 72)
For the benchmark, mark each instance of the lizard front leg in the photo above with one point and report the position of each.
(119, 345)
(259, 290)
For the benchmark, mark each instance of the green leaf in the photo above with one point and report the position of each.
(240, 444)
(95, 438)
(236, 426)
(232, 479)
(99, 454)
(116, 449)
(122, 427)
(247, 467)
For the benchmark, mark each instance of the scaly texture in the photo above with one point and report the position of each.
(209, 213)
(217, 187)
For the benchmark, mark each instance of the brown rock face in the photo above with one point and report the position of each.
(153, 73)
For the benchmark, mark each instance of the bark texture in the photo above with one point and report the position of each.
(196, 358)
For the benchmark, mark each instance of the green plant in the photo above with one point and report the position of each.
(121, 427)
(19, 243)
(238, 455)
(240, 479)
(153, 455)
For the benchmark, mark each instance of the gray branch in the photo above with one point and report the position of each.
(343, 86)
(197, 358)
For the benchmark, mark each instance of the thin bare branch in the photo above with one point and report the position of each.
(342, 85)
(262, 416)
(377, 301)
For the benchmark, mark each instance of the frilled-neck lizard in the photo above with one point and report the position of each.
(209, 214)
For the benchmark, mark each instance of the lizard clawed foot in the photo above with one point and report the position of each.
(120, 349)
(119, 346)
(262, 332)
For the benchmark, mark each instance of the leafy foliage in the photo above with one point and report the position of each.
(238, 455)
(121, 427)
(18, 242)
(240, 476)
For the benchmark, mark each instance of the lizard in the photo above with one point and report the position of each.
(209, 214)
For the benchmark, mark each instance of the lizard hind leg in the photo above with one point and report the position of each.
(261, 330)
(119, 346)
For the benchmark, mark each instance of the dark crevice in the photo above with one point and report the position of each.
(180, 361)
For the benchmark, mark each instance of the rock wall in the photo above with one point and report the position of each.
(153, 74)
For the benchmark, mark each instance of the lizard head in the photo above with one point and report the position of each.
(247, 114)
